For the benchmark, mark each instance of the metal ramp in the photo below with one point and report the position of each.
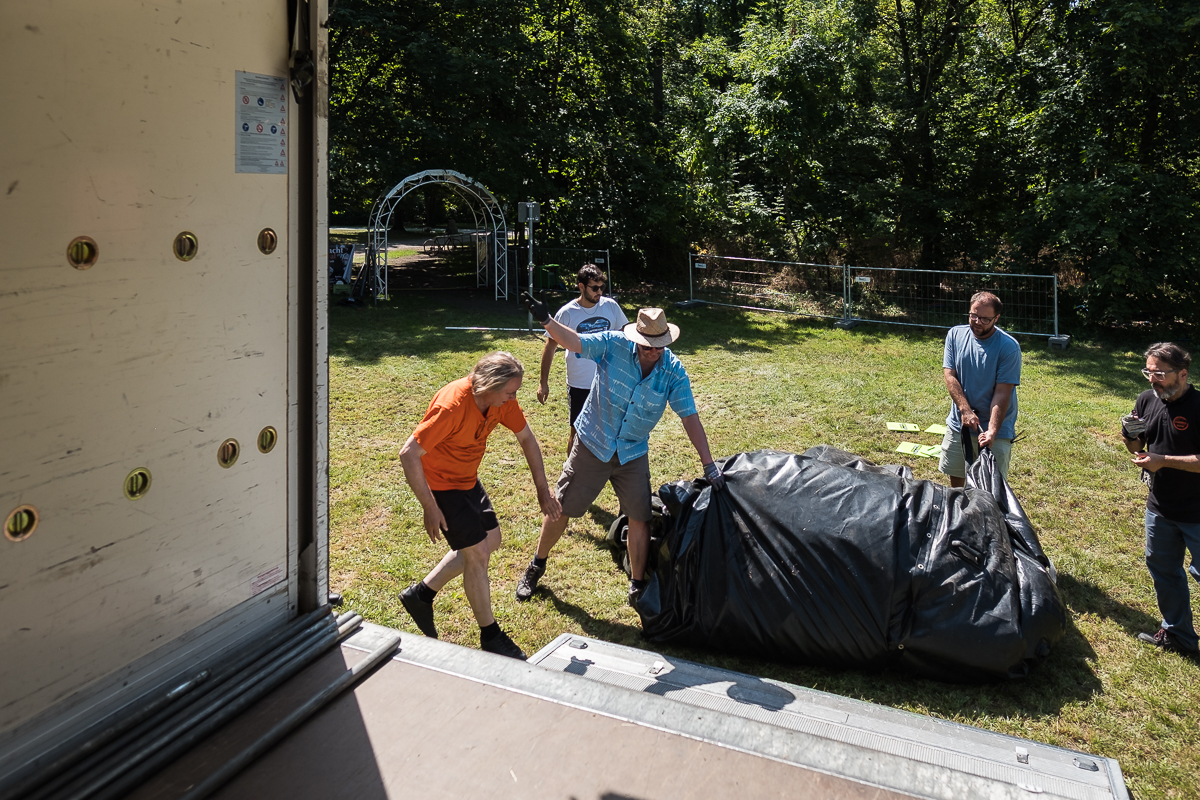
(588, 719)
(878, 745)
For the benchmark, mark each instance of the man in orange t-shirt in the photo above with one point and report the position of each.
(441, 464)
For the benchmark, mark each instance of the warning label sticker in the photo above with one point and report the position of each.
(261, 116)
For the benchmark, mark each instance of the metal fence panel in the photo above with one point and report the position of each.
(812, 290)
(926, 298)
(940, 299)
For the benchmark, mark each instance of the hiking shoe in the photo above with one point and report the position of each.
(1163, 640)
(501, 645)
(420, 611)
(635, 594)
(529, 581)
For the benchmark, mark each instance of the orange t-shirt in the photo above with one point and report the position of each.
(454, 435)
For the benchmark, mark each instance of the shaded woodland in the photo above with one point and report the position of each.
(1042, 136)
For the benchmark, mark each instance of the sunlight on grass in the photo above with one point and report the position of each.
(770, 381)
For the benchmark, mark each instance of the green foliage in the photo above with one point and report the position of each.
(1047, 136)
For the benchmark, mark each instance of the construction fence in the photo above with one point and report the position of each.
(849, 294)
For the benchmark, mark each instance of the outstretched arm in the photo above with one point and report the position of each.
(559, 332)
(563, 335)
(533, 457)
(414, 473)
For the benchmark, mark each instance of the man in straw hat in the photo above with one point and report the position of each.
(636, 377)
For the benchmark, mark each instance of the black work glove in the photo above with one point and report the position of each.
(536, 307)
(712, 474)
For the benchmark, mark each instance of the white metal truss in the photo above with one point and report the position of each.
(483, 204)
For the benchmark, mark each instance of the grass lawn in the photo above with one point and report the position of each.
(774, 381)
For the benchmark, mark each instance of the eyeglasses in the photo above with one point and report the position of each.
(984, 320)
(596, 288)
(1157, 374)
(649, 347)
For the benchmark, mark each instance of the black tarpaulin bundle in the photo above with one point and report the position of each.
(825, 558)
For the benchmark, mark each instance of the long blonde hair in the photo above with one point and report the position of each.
(493, 372)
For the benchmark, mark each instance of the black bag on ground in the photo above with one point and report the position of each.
(828, 559)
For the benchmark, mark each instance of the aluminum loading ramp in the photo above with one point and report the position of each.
(589, 719)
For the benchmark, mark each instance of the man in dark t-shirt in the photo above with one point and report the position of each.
(1163, 433)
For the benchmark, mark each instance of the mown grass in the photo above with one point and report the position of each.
(765, 380)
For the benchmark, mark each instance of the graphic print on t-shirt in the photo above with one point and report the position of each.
(591, 325)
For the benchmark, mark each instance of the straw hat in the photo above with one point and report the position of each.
(651, 328)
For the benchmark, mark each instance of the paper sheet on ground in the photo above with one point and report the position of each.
(912, 448)
(903, 426)
(940, 430)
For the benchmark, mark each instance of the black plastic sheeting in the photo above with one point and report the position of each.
(827, 559)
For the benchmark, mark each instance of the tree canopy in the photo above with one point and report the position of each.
(1048, 136)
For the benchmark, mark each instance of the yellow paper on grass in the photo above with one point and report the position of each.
(912, 448)
(931, 450)
(940, 430)
(903, 426)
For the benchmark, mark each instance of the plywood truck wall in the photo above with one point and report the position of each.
(161, 451)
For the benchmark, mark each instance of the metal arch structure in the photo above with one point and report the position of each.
(483, 204)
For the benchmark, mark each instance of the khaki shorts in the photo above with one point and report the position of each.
(952, 463)
(584, 475)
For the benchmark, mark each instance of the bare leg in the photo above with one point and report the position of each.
(478, 588)
(552, 531)
(957, 483)
(639, 548)
(451, 565)
(571, 439)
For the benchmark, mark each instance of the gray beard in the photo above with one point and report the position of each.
(1166, 396)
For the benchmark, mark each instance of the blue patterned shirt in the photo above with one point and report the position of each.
(624, 407)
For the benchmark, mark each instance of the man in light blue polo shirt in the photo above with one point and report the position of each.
(637, 377)
(982, 367)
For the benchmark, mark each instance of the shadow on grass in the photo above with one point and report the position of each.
(415, 324)
(1083, 597)
(605, 629)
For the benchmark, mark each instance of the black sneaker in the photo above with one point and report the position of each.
(635, 594)
(420, 611)
(501, 645)
(1163, 640)
(529, 581)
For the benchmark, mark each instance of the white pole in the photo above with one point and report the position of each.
(529, 234)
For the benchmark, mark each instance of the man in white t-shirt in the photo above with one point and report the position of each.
(591, 312)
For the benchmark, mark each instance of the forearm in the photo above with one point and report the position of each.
(695, 432)
(1134, 445)
(957, 395)
(537, 467)
(1184, 463)
(999, 406)
(548, 358)
(414, 474)
(563, 335)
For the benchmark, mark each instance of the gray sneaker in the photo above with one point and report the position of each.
(501, 645)
(421, 612)
(529, 581)
(1163, 640)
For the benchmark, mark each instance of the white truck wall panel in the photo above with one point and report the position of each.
(119, 124)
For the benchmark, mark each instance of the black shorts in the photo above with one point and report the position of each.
(576, 401)
(469, 515)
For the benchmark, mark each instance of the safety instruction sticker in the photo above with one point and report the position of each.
(261, 120)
